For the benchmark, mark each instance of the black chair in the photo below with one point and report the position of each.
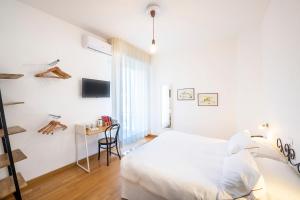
(110, 141)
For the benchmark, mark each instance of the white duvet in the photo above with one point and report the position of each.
(177, 165)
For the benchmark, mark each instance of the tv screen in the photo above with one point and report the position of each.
(95, 88)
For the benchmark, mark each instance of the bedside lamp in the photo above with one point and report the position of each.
(264, 126)
(265, 130)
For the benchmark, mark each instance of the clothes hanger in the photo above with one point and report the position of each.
(51, 127)
(54, 70)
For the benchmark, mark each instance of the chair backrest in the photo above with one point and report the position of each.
(109, 132)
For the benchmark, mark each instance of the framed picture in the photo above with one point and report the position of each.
(186, 94)
(208, 99)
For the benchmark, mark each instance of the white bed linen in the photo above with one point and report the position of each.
(282, 182)
(177, 166)
(133, 191)
(240, 175)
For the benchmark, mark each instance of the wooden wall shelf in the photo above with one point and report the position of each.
(12, 130)
(7, 185)
(15, 182)
(18, 155)
(10, 76)
(13, 103)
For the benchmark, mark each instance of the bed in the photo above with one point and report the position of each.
(280, 179)
(178, 166)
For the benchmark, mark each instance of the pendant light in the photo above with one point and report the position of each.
(153, 10)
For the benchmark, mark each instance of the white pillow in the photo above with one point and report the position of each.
(240, 175)
(239, 141)
(265, 149)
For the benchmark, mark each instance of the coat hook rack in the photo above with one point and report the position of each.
(55, 116)
(53, 63)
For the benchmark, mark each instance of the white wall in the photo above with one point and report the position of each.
(249, 87)
(30, 39)
(209, 67)
(263, 87)
(281, 68)
(276, 47)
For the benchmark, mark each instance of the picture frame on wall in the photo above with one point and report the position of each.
(208, 99)
(185, 94)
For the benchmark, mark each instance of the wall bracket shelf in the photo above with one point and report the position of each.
(18, 155)
(7, 185)
(12, 130)
(10, 76)
(13, 103)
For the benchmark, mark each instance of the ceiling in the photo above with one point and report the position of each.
(180, 23)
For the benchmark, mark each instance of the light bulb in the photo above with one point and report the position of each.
(153, 48)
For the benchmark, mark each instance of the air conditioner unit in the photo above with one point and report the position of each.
(96, 45)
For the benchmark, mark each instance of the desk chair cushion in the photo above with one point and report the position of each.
(110, 140)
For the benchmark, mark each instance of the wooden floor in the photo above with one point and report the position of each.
(72, 183)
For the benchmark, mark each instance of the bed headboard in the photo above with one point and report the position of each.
(288, 152)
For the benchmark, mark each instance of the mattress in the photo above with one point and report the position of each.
(177, 165)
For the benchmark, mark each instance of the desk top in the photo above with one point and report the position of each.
(100, 129)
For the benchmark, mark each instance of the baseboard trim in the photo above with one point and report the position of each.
(36, 180)
(59, 170)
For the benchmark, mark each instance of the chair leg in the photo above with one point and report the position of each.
(99, 147)
(117, 147)
(107, 155)
(110, 150)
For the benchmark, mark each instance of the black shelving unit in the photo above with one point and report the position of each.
(15, 181)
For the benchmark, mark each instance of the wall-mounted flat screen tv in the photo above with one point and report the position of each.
(92, 88)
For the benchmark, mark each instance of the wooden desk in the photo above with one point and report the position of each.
(100, 129)
(80, 130)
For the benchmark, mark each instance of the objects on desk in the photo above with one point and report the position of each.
(106, 120)
(114, 121)
(51, 127)
(101, 124)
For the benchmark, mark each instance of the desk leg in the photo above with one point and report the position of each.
(87, 154)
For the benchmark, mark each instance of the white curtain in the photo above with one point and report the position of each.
(130, 90)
